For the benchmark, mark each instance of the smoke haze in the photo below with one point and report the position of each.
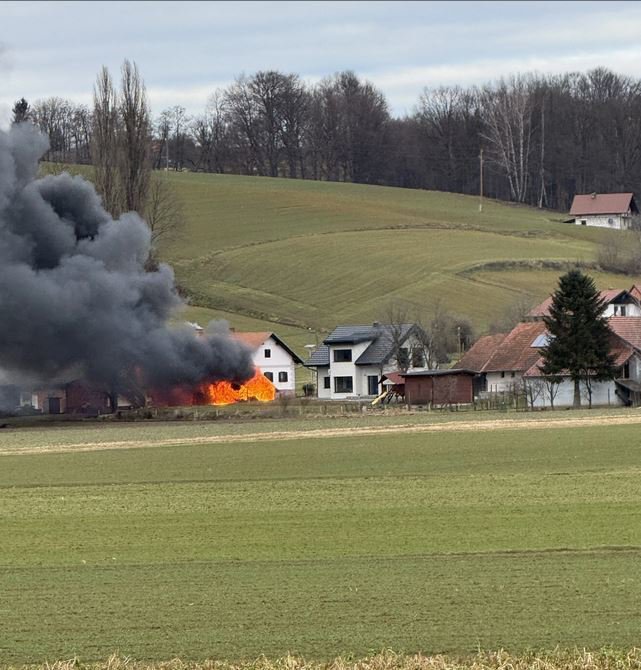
(75, 299)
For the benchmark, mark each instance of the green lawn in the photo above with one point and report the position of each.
(293, 254)
(433, 542)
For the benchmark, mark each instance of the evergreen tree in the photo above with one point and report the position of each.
(21, 111)
(579, 335)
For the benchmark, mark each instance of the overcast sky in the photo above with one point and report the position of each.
(186, 49)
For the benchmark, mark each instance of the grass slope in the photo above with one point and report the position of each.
(436, 542)
(304, 254)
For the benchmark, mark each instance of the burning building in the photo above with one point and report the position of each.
(76, 301)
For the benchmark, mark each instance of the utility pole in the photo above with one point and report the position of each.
(481, 181)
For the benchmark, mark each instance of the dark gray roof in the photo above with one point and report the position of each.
(382, 348)
(438, 373)
(319, 357)
(351, 334)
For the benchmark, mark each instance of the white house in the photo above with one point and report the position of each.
(604, 210)
(274, 358)
(512, 361)
(352, 359)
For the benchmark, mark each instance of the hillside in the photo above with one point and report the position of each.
(302, 256)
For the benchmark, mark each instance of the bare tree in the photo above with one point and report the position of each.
(134, 146)
(163, 210)
(552, 386)
(507, 115)
(105, 142)
(533, 388)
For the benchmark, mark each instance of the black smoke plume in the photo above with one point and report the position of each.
(75, 299)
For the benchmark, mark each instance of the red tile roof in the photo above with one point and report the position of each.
(477, 356)
(620, 350)
(516, 351)
(252, 340)
(602, 203)
(628, 328)
(607, 296)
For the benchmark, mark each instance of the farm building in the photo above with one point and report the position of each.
(439, 387)
(274, 358)
(618, 302)
(500, 361)
(352, 359)
(512, 362)
(605, 210)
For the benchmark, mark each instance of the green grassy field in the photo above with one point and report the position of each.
(296, 255)
(434, 542)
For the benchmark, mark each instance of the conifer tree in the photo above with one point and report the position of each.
(579, 341)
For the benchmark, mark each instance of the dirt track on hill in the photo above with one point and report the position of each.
(319, 433)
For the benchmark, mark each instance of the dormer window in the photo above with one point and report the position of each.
(342, 355)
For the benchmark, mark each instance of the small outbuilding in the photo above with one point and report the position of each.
(439, 387)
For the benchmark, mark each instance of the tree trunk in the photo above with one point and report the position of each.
(577, 393)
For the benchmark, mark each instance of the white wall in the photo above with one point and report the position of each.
(498, 384)
(322, 392)
(614, 221)
(631, 309)
(602, 394)
(280, 361)
(348, 369)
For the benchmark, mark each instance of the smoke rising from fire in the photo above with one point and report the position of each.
(75, 299)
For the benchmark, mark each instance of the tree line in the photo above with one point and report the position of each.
(543, 138)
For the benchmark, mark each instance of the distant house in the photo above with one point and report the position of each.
(501, 360)
(276, 360)
(618, 302)
(511, 362)
(605, 210)
(353, 359)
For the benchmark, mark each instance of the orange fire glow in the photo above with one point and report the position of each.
(225, 393)
(216, 393)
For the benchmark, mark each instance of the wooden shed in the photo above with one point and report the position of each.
(439, 387)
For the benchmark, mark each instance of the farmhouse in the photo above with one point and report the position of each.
(352, 359)
(500, 361)
(605, 210)
(512, 362)
(274, 358)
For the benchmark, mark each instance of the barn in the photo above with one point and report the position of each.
(439, 387)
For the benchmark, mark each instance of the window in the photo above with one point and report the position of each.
(403, 358)
(372, 384)
(584, 222)
(326, 383)
(343, 385)
(626, 371)
(513, 374)
(269, 376)
(611, 222)
(268, 353)
(502, 374)
(619, 310)
(342, 355)
(282, 377)
(418, 360)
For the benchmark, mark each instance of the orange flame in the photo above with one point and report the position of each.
(217, 393)
(225, 393)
